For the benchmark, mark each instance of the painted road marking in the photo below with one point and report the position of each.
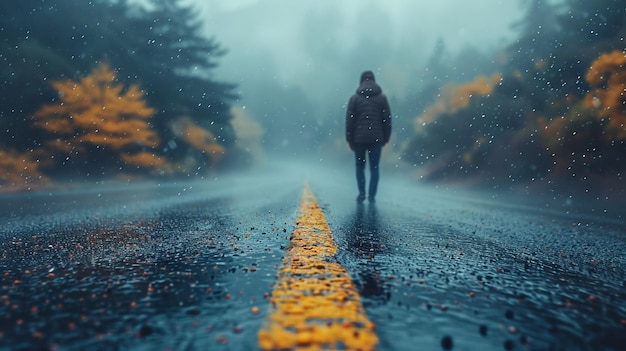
(315, 305)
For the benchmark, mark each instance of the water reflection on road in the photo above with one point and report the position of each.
(185, 268)
(430, 280)
(365, 241)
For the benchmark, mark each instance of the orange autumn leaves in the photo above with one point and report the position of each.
(585, 136)
(456, 97)
(607, 97)
(607, 77)
(95, 115)
(199, 138)
(573, 135)
(604, 104)
(99, 123)
(19, 171)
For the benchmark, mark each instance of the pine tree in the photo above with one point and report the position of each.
(160, 46)
(175, 62)
(591, 22)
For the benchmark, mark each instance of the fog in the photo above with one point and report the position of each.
(152, 154)
(322, 46)
(303, 59)
(487, 92)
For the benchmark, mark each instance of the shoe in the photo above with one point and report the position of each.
(360, 198)
(371, 199)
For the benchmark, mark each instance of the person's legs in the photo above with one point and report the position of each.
(374, 152)
(359, 156)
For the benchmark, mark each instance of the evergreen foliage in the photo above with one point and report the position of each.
(556, 114)
(160, 47)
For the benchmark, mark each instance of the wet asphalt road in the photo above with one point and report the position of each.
(190, 266)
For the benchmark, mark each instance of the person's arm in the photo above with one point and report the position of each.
(386, 121)
(350, 122)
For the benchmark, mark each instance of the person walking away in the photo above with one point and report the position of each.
(368, 128)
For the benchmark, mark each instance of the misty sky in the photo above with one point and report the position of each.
(323, 45)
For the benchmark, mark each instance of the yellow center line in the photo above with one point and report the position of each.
(315, 305)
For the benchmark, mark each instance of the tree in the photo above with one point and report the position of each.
(607, 76)
(19, 171)
(598, 26)
(538, 35)
(160, 46)
(165, 48)
(100, 123)
(533, 54)
(204, 150)
(591, 23)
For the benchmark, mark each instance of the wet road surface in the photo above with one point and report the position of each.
(192, 266)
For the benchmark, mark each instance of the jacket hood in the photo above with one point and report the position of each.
(367, 75)
(369, 88)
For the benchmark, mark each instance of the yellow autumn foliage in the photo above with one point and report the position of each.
(552, 132)
(457, 97)
(143, 159)
(18, 171)
(607, 77)
(96, 112)
(249, 132)
(199, 139)
(247, 129)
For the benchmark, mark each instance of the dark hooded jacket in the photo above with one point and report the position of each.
(368, 118)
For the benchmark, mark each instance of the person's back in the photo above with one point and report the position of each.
(368, 129)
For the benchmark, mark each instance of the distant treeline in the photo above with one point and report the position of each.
(551, 107)
(111, 88)
(104, 88)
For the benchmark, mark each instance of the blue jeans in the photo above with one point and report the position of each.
(373, 154)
